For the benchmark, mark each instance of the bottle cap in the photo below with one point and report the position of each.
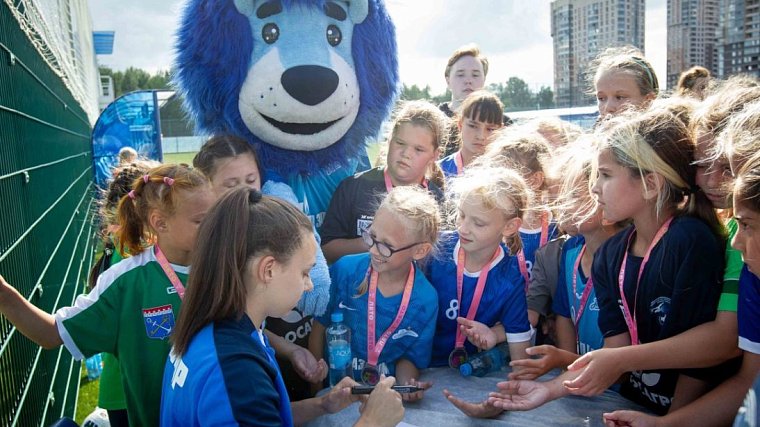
(336, 317)
(465, 369)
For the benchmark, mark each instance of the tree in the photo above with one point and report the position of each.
(517, 95)
(440, 99)
(545, 98)
(133, 79)
(414, 92)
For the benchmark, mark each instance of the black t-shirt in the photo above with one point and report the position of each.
(295, 328)
(679, 289)
(354, 203)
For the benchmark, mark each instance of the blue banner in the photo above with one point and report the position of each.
(132, 120)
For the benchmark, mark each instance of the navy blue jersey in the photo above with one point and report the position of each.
(678, 290)
(748, 311)
(566, 303)
(412, 340)
(531, 242)
(227, 376)
(503, 299)
(448, 165)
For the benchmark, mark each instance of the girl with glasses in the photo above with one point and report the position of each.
(383, 294)
(413, 148)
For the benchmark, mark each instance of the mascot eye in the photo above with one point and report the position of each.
(270, 33)
(334, 36)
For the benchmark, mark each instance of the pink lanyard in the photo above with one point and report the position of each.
(389, 183)
(586, 290)
(521, 255)
(479, 287)
(459, 162)
(374, 350)
(170, 274)
(630, 320)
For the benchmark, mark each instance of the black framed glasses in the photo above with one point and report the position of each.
(382, 248)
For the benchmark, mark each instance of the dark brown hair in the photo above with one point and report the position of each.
(117, 188)
(222, 147)
(261, 225)
(688, 79)
(152, 191)
(483, 106)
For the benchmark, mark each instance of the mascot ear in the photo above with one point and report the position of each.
(246, 7)
(358, 10)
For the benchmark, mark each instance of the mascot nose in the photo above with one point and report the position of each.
(310, 84)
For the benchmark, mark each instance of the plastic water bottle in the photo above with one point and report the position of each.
(94, 366)
(483, 363)
(339, 349)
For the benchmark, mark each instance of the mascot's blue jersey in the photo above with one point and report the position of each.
(315, 191)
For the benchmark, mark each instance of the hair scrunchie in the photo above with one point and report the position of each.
(254, 196)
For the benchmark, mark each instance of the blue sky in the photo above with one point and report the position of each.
(514, 34)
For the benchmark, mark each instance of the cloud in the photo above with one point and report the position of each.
(144, 32)
(512, 34)
(515, 35)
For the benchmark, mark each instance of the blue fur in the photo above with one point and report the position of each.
(213, 54)
(312, 303)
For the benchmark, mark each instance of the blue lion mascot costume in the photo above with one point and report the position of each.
(306, 82)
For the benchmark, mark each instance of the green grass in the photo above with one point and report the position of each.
(88, 396)
(179, 158)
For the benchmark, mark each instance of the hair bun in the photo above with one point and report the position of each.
(254, 196)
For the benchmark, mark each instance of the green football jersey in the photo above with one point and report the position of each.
(729, 297)
(130, 313)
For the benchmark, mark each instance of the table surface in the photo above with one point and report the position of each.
(435, 410)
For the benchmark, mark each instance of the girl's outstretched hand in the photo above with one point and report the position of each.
(413, 397)
(478, 334)
(483, 409)
(519, 395)
(307, 366)
(550, 357)
(601, 368)
(4, 286)
(630, 419)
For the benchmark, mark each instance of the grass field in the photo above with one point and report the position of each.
(179, 158)
(88, 396)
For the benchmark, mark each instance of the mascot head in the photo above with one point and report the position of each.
(305, 81)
